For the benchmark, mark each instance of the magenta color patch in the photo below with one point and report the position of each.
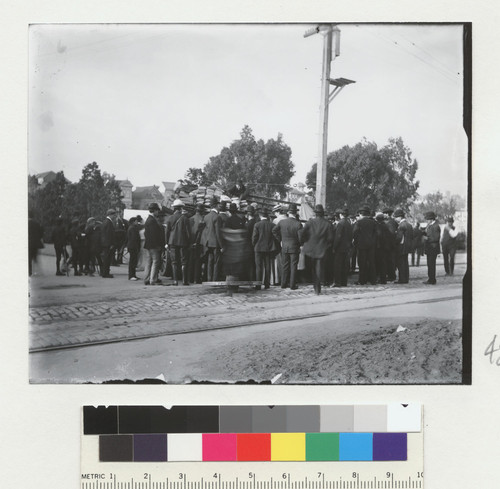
(219, 447)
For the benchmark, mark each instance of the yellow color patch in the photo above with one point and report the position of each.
(288, 447)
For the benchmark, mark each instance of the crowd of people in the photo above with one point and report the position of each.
(257, 245)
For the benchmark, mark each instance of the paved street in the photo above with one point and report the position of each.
(81, 315)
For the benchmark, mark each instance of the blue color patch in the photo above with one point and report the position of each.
(356, 446)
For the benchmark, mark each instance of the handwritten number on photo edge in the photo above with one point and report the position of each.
(491, 350)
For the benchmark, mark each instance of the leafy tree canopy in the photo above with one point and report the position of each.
(366, 174)
(264, 167)
(92, 195)
(444, 205)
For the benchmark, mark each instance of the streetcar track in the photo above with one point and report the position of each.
(254, 322)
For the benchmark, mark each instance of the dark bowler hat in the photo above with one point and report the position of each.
(214, 202)
(339, 211)
(110, 212)
(379, 216)
(399, 213)
(200, 207)
(153, 207)
(345, 212)
(264, 212)
(450, 219)
(387, 210)
(292, 208)
(233, 207)
(318, 209)
(365, 211)
(430, 215)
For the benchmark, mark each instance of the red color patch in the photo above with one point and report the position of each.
(254, 447)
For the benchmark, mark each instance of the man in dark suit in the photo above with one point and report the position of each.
(211, 239)
(154, 242)
(287, 232)
(317, 236)
(249, 225)
(133, 247)
(341, 246)
(365, 239)
(392, 225)
(108, 242)
(196, 251)
(178, 239)
(432, 235)
(263, 245)
(404, 239)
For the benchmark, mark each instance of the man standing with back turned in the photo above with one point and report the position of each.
(317, 236)
(432, 235)
(287, 231)
(154, 242)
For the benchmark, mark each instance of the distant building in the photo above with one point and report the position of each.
(126, 188)
(143, 196)
(169, 191)
(296, 193)
(46, 177)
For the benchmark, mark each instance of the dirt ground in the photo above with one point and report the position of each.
(427, 351)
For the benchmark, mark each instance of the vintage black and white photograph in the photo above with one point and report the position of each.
(249, 203)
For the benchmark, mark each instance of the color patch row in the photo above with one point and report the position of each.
(251, 419)
(262, 447)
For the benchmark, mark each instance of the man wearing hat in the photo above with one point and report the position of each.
(364, 235)
(431, 238)
(404, 240)
(107, 242)
(449, 245)
(286, 232)
(196, 251)
(341, 246)
(211, 239)
(249, 225)
(316, 237)
(154, 242)
(263, 245)
(178, 239)
(276, 261)
(391, 256)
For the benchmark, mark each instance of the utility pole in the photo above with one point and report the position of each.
(329, 32)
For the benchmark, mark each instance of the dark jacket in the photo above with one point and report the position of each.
(133, 238)
(385, 240)
(59, 236)
(433, 233)
(343, 236)
(287, 231)
(234, 221)
(178, 231)
(262, 237)
(154, 234)
(107, 233)
(364, 233)
(404, 237)
(211, 236)
(392, 225)
(35, 234)
(317, 236)
(197, 224)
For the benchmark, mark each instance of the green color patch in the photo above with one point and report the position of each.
(322, 446)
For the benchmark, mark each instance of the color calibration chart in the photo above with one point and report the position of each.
(252, 447)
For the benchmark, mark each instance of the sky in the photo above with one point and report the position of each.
(146, 102)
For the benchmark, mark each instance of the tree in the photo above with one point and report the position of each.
(47, 203)
(193, 178)
(365, 174)
(93, 194)
(443, 205)
(264, 167)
